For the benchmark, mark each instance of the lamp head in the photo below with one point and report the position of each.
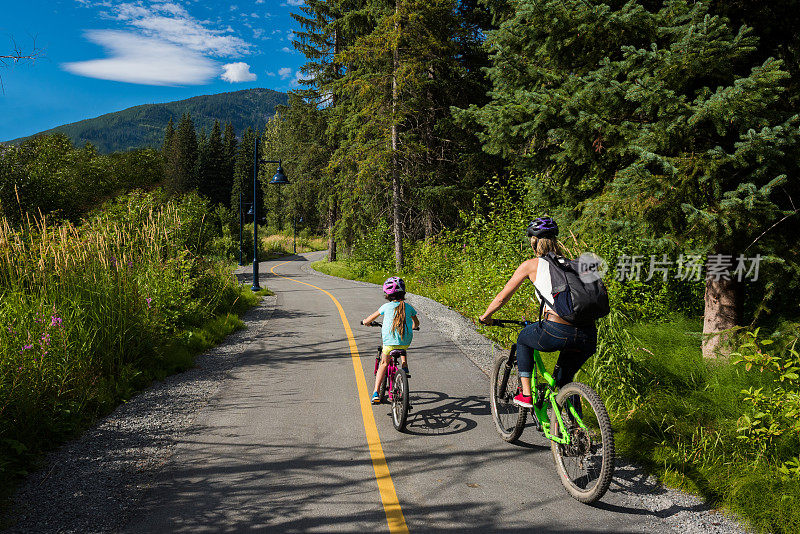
(279, 178)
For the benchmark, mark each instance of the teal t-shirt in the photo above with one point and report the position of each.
(390, 337)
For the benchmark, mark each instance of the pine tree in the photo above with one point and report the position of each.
(212, 169)
(184, 158)
(327, 27)
(398, 89)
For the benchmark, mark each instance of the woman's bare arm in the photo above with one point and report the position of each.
(526, 270)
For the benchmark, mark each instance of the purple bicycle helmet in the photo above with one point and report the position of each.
(543, 227)
(394, 285)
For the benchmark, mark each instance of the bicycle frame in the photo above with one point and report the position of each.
(548, 401)
(391, 372)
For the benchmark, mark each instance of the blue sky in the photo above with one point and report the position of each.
(107, 55)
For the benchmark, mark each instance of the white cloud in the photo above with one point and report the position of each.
(293, 3)
(171, 22)
(298, 77)
(284, 73)
(287, 50)
(270, 73)
(237, 72)
(144, 60)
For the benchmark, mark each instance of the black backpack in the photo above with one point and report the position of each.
(574, 300)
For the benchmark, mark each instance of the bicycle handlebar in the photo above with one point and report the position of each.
(376, 323)
(507, 322)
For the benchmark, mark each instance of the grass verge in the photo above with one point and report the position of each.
(176, 355)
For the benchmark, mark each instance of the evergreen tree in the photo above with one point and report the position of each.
(184, 159)
(401, 81)
(327, 28)
(213, 183)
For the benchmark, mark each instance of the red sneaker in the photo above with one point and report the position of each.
(524, 401)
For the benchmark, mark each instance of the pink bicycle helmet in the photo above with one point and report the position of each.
(394, 285)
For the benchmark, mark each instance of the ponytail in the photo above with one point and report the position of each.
(399, 322)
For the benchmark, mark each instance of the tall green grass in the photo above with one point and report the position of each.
(91, 313)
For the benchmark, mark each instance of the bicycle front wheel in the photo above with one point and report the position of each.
(509, 419)
(586, 465)
(400, 400)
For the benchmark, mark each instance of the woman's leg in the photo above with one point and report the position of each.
(541, 336)
(527, 342)
(571, 360)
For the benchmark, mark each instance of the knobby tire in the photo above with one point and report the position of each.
(591, 450)
(509, 419)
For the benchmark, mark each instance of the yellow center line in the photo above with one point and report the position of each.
(391, 505)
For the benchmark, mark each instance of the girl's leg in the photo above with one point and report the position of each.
(381, 373)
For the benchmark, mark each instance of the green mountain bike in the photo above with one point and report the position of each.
(573, 418)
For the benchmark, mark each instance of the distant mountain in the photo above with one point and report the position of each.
(143, 126)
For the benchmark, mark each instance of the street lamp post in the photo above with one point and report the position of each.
(294, 238)
(242, 214)
(241, 217)
(278, 179)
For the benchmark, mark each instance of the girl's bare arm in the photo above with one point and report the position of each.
(371, 317)
(415, 321)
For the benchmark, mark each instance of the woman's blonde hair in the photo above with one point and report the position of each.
(542, 245)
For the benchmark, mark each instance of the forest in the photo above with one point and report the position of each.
(663, 136)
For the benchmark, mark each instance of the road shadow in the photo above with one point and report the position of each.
(296, 487)
(436, 413)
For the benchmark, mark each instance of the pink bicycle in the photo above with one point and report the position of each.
(398, 393)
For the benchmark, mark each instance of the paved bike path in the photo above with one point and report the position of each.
(282, 447)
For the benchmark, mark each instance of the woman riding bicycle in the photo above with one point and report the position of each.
(575, 343)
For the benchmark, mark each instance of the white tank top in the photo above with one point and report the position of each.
(543, 283)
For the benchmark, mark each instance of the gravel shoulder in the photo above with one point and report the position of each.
(92, 483)
(640, 492)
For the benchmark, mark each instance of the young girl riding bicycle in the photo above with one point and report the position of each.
(396, 331)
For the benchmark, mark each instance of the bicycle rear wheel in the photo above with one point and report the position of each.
(586, 465)
(400, 400)
(509, 419)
